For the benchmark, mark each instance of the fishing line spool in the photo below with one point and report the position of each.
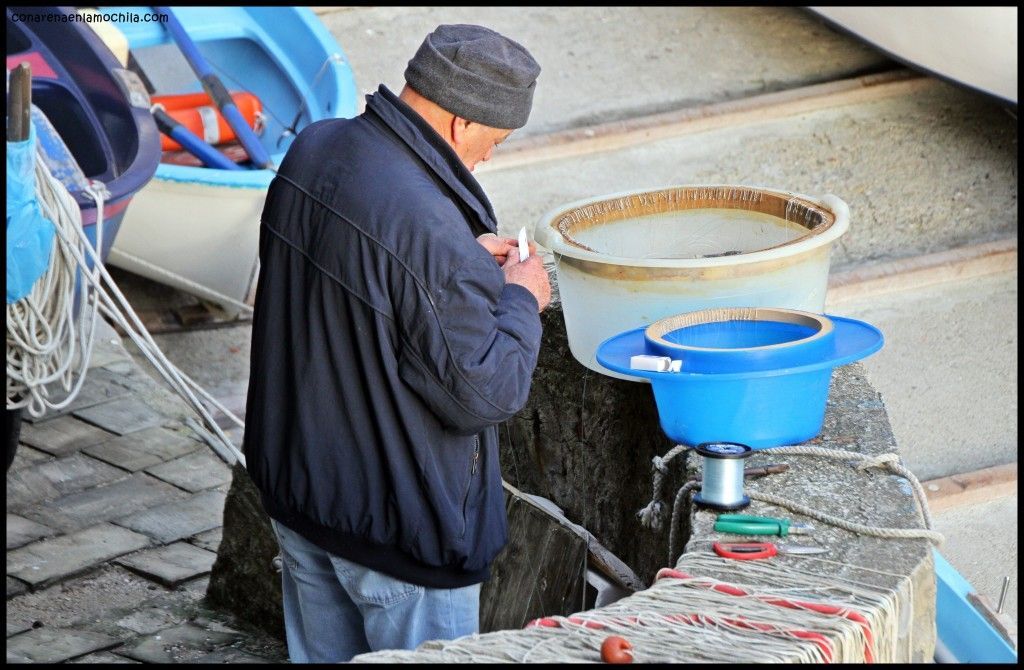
(722, 479)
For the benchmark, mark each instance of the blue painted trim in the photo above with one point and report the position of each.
(962, 629)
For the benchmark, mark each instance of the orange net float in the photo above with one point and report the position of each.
(198, 113)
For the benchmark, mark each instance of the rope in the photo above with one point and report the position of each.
(933, 536)
(892, 461)
(124, 316)
(677, 509)
(104, 296)
(41, 329)
(653, 515)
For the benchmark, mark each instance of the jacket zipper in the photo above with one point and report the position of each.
(469, 487)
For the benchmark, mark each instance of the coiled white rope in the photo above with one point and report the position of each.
(104, 296)
(42, 341)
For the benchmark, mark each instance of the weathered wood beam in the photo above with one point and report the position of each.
(969, 488)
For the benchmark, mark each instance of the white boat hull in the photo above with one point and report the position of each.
(976, 46)
(200, 238)
(197, 228)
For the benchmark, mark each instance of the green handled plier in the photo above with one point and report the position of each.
(744, 524)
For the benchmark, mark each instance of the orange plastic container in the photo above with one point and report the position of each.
(198, 113)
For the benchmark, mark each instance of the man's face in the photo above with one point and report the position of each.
(475, 142)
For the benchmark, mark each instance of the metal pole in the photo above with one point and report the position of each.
(1002, 594)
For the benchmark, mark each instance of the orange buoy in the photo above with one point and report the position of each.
(616, 649)
(198, 113)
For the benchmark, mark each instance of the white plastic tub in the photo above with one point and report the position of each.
(629, 259)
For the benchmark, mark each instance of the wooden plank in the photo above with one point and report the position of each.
(539, 573)
(193, 315)
(599, 557)
(916, 272)
(198, 316)
(616, 135)
(543, 569)
(154, 321)
(971, 487)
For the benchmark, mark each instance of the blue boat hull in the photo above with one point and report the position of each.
(965, 635)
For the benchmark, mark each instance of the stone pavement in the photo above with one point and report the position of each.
(114, 514)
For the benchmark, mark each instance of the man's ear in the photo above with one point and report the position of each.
(459, 126)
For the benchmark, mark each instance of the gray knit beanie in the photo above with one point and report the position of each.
(475, 73)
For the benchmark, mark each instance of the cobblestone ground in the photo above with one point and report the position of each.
(114, 513)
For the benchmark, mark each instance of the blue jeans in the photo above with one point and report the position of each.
(335, 609)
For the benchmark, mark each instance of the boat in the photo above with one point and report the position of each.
(973, 46)
(197, 228)
(967, 630)
(94, 109)
(92, 123)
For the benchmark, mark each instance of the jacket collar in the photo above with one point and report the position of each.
(435, 152)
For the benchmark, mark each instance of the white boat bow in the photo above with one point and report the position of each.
(975, 46)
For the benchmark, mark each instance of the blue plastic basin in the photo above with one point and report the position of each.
(760, 412)
(760, 408)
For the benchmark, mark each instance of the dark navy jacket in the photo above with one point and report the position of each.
(386, 348)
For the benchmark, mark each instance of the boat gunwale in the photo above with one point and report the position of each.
(252, 30)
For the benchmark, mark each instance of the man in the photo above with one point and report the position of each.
(393, 330)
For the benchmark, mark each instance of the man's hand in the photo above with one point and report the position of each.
(500, 246)
(529, 274)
